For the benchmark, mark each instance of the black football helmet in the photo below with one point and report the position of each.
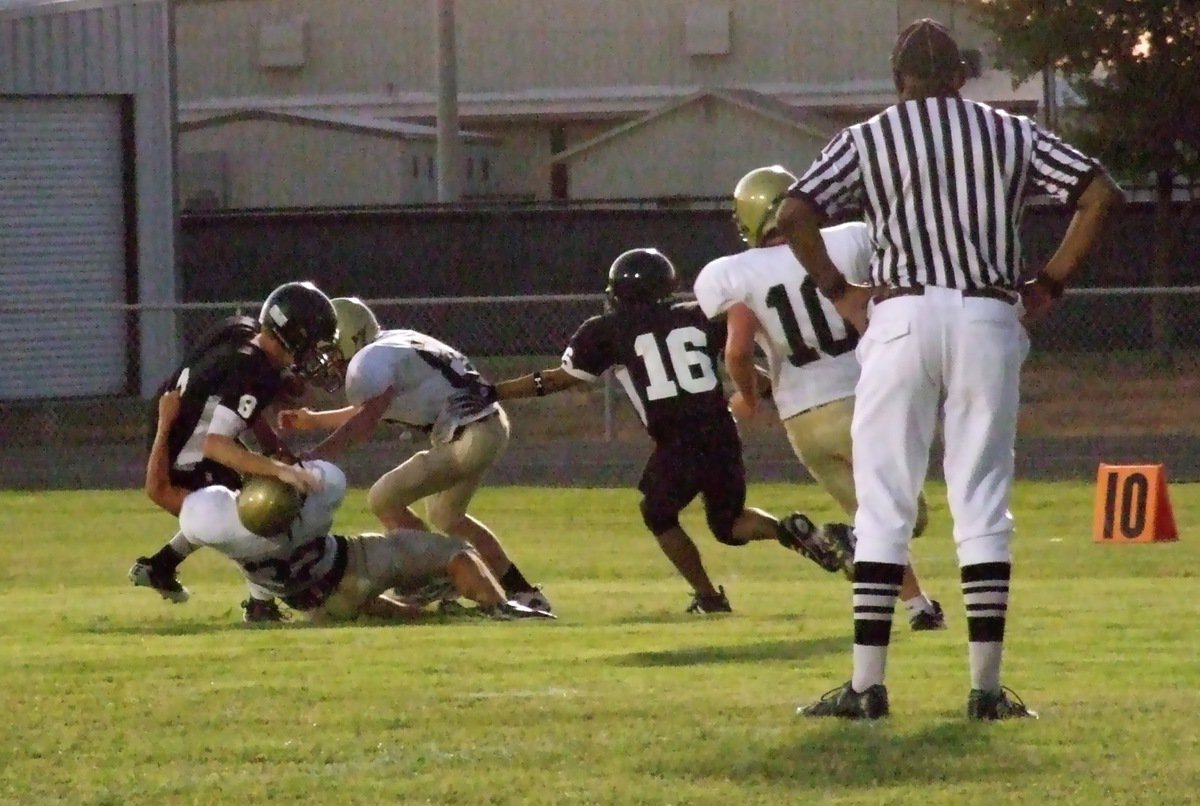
(302, 319)
(641, 277)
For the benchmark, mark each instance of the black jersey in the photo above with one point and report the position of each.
(665, 356)
(228, 372)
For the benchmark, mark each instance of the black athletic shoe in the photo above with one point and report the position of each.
(711, 603)
(259, 611)
(992, 706)
(145, 574)
(830, 546)
(925, 620)
(846, 703)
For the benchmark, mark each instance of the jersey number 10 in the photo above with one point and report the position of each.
(802, 351)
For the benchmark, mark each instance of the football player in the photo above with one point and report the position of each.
(406, 377)
(768, 300)
(224, 385)
(665, 356)
(281, 541)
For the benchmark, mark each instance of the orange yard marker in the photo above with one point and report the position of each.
(1132, 505)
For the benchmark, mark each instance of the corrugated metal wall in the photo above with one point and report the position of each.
(116, 48)
(62, 241)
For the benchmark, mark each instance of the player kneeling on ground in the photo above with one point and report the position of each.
(665, 356)
(282, 544)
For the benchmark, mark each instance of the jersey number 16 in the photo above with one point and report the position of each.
(692, 367)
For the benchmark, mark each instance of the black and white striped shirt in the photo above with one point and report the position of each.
(943, 183)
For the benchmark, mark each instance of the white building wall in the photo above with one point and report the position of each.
(544, 46)
(701, 149)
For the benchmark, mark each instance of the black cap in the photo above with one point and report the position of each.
(926, 50)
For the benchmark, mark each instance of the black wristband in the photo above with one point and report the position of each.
(539, 385)
(1054, 288)
(835, 290)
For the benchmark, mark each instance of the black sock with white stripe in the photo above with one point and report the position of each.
(876, 586)
(985, 592)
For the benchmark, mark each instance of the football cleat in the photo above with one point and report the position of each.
(261, 611)
(512, 609)
(927, 620)
(533, 599)
(846, 703)
(992, 706)
(710, 603)
(144, 574)
(830, 546)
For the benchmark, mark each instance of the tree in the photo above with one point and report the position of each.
(1136, 65)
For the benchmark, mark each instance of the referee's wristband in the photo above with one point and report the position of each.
(835, 290)
(1054, 288)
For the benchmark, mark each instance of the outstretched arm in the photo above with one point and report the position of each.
(356, 424)
(537, 384)
(158, 486)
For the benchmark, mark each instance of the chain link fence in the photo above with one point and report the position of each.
(1113, 376)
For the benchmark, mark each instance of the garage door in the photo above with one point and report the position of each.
(62, 248)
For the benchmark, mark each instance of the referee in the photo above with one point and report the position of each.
(942, 181)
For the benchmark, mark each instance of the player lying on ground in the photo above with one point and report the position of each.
(665, 356)
(235, 372)
(406, 377)
(768, 300)
(281, 541)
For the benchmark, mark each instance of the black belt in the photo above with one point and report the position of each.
(987, 292)
(315, 594)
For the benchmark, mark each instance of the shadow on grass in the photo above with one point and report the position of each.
(803, 649)
(836, 754)
(680, 617)
(105, 627)
(163, 628)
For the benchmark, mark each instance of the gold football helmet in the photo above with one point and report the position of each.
(267, 506)
(357, 325)
(756, 200)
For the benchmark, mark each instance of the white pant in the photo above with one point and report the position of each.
(919, 351)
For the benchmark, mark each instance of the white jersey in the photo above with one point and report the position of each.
(283, 565)
(809, 347)
(427, 375)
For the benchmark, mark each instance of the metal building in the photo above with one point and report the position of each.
(87, 197)
(262, 159)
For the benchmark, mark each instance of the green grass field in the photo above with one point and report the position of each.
(111, 695)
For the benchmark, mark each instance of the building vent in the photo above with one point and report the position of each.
(706, 28)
